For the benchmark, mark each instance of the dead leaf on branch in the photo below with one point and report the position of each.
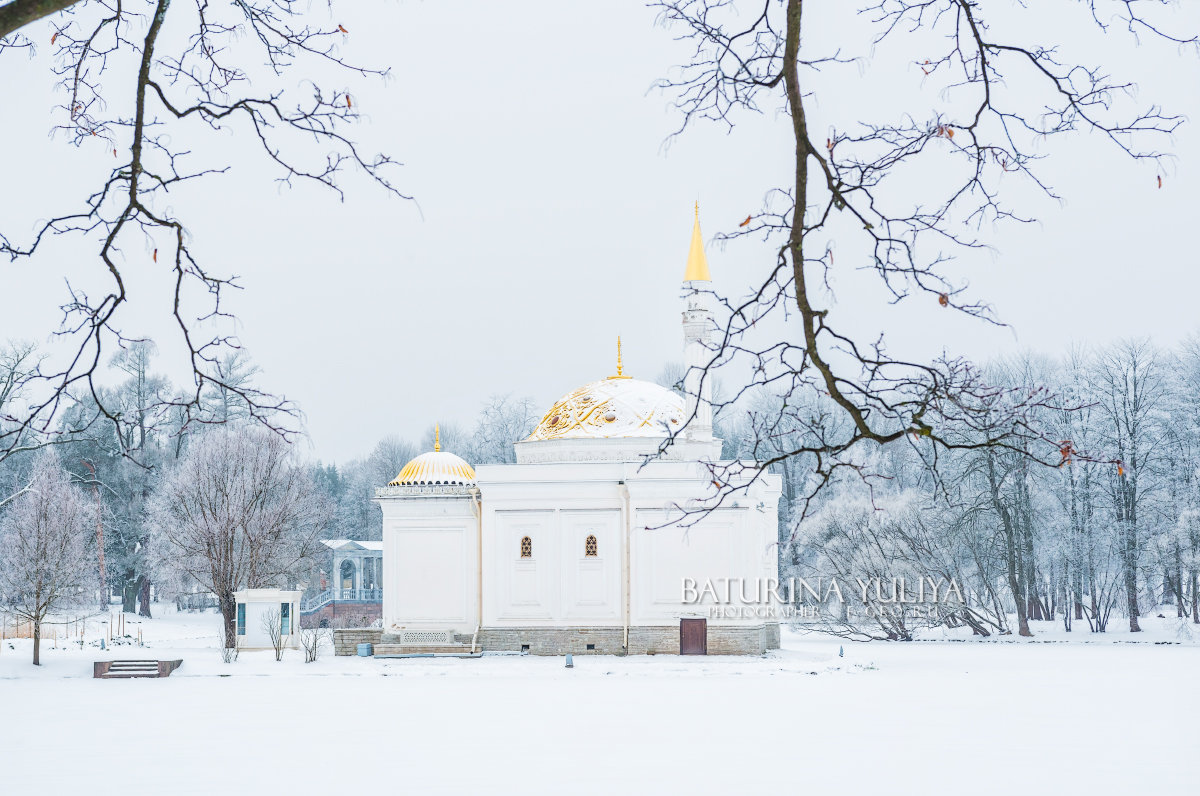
(944, 300)
(1065, 448)
(747, 221)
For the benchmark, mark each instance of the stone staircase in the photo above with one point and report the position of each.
(112, 670)
(421, 643)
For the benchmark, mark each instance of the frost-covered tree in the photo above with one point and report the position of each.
(45, 564)
(1186, 426)
(120, 463)
(503, 420)
(1112, 522)
(18, 366)
(237, 512)
(1130, 386)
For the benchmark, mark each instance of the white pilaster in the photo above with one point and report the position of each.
(697, 351)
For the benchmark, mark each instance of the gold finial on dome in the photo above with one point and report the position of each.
(437, 438)
(697, 262)
(620, 367)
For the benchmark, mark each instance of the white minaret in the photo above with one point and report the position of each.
(697, 332)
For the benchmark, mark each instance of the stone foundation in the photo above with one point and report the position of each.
(553, 641)
(722, 640)
(346, 640)
(772, 631)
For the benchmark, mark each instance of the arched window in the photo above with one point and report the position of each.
(349, 574)
(526, 547)
(589, 547)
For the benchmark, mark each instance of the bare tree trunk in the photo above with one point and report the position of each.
(1128, 548)
(144, 597)
(1178, 582)
(1132, 604)
(1012, 551)
(1036, 608)
(1129, 566)
(1014, 583)
(129, 592)
(1067, 597)
(1195, 598)
(1052, 595)
(229, 615)
(37, 641)
(1078, 588)
(1075, 580)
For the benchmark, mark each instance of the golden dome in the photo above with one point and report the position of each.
(435, 468)
(615, 407)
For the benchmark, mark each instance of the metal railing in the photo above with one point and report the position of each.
(315, 602)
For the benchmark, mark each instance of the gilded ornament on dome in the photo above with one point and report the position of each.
(622, 407)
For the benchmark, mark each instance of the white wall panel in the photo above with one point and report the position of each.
(591, 586)
(526, 587)
(431, 581)
(718, 548)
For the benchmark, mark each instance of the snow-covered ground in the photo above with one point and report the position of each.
(1103, 714)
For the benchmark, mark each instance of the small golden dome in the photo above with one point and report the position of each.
(436, 468)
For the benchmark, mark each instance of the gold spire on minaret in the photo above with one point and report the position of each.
(620, 367)
(437, 438)
(697, 263)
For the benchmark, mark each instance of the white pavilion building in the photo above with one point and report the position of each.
(584, 544)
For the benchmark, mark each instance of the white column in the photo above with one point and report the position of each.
(697, 352)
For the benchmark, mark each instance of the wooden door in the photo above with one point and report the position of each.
(693, 636)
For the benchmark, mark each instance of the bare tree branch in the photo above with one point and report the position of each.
(836, 396)
(206, 76)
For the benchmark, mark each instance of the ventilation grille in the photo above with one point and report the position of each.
(426, 638)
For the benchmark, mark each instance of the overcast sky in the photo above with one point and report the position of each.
(549, 218)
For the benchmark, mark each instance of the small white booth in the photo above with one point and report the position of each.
(258, 611)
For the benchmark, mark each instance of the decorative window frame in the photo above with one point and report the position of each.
(526, 547)
(591, 547)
